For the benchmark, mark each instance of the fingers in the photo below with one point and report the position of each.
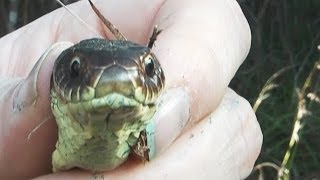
(223, 145)
(22, 48)
(171, 117)
(26, 106)
(201, 47)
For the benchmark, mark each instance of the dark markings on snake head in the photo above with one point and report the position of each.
(75, 66)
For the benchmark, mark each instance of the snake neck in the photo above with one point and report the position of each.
(124, 120)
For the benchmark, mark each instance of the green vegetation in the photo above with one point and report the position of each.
(283, 67)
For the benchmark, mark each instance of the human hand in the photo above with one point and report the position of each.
(200, 49)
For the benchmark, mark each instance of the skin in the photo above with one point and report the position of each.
(202, 126)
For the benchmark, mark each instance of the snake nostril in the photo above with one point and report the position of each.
(75, 66)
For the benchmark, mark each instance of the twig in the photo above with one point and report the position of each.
(77, 17)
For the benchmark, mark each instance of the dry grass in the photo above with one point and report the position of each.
(281, 80)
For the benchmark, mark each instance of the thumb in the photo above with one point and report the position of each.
(25, 105)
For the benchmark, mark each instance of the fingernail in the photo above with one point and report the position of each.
(27, 92)
(172, 115)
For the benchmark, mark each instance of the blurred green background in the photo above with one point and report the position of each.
(280, 75)
(285, 37)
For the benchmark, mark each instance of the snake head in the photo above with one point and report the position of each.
(95, 68)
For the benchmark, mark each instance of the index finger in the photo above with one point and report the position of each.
(201, 47)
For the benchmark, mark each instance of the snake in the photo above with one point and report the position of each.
(103, 96)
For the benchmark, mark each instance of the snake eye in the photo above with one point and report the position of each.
(75, 66)
(149, 66)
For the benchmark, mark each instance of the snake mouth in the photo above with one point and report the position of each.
(108, 83)
(110, 102)
(126, 83)
(115, 91)
(112, 107)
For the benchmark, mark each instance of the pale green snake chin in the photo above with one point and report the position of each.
(98, 134)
